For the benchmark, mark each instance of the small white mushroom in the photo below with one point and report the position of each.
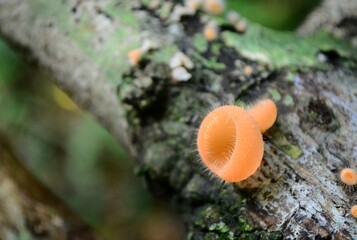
(180, 59)
(321, 57)
(180, 74)
(193, 4)
(232, 17)
(241, 26)
(154, 4)
(149, 45)
(180, 11)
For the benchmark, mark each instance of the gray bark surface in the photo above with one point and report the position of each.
(296, 194)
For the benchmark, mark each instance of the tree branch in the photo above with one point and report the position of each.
(296, 193)
(75, 72)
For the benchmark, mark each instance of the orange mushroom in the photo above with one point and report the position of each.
(211, 31)
(264, 113)
(230, 142)
(354, 211)
(134, 56)
(214, 7)
(348, 176)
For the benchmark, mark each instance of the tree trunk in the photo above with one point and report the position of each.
(296, 194)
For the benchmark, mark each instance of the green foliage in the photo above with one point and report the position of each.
(286, 49)
(277, 14)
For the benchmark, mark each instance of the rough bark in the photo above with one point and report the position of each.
(296, 193)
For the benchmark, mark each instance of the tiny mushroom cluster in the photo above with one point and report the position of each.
(211, 29)
(240, 25)
(230, 142)
(179, 65)
(348, 177)
(213, 7)
(190, 7)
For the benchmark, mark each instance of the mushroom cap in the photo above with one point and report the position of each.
(354, 211)
(135, 56)
(214, 7)
(193, 4)
(230, 143)
(210, 32)
(264, 113)
(348, 176)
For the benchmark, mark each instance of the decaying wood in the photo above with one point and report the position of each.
(296, 193)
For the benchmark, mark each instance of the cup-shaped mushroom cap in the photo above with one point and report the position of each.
(264, 113)
(348, 176)
(230, 143)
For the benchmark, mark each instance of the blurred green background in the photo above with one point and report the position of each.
(277, 14)
(75, 157)
(69, 152)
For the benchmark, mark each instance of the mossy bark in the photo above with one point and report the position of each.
(295, 194)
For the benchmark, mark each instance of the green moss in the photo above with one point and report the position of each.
(288, 100)
(216, 48)
(24, 234)
(275, 94)
(157, 158)
(184, 105)
(212, 236)
(210, 63)
(199, 42)
(51, 11)
(285, 49)
(244, 225)
(290, 77)
(164, 54)
(165, 10)
(208, 215)
(215, 80)
(110, 53)
(241, 104)
(210, 219)
(219, 227)
(280, 140)
(146, 2)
